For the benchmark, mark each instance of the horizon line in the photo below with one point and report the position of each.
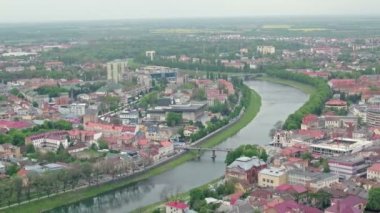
(196, 18)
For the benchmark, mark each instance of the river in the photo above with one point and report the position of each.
(278, 101)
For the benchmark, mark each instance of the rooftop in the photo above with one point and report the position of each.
(375, 167)
(272, 172)
(177, 205)
(247, 163)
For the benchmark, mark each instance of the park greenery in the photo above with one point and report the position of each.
(247, 150)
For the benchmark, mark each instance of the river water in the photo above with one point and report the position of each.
(278, 101)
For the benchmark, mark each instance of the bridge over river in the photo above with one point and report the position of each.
(278, 101)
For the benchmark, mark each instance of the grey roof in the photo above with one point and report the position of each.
(310, 175)
(246, 163)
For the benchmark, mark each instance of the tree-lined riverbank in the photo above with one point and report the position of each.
(253, 107)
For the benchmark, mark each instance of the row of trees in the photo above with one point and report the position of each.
(52, 91)
(36, 185)
(317, 99)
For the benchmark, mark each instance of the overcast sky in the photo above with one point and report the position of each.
(65, 10)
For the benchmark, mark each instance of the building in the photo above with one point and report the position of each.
(353, 204)
(336, 104)
(150, 54)
(111, 129)
(54, 65)
(373, 172)
(77, 109)
(348, 166)
(245, 169)
(116, 69)
(129, 117)
(176, 207)
(192, 111)
(312, 180)
(272, 177)
(159, 72)
(373, 116)
(8, 151)
(14, 69)
(49, 141)
(309, 122)
(340, 146)
(290, 206)
(166, 148)
(266, 50)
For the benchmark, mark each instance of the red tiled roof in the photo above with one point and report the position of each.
(291, 188)
(375, 167)
(234, 197)
(336, 102)
(288, 206)
(14, 124)
(177, 205)
(22, 172)
(143, 142)
(311, 133)
(309, 118)
(165, 143)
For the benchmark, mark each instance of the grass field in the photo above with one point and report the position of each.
(72, 197)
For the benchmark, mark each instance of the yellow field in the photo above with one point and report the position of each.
(276, 26)
(307, 29)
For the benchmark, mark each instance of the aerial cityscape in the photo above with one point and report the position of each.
(169, 108)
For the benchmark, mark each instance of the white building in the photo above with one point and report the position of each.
(49, 141)
(116, 69)
(266, 50)
(373, 172)
(340, 146)
(129, 117)
(314, 180)
(151, 54)
(78, 109)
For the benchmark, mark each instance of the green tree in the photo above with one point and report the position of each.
(374, 199)
(248, 151)
(11, 169)
(173, 118)
(102, 144)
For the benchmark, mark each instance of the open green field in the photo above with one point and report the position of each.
(72, 197)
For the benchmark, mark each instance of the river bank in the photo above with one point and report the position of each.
(303, 87)
(185, 196)
(75, 196)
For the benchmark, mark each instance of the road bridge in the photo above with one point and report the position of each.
(200, 149)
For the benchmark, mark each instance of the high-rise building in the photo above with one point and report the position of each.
(116, 69)
(151, 54)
